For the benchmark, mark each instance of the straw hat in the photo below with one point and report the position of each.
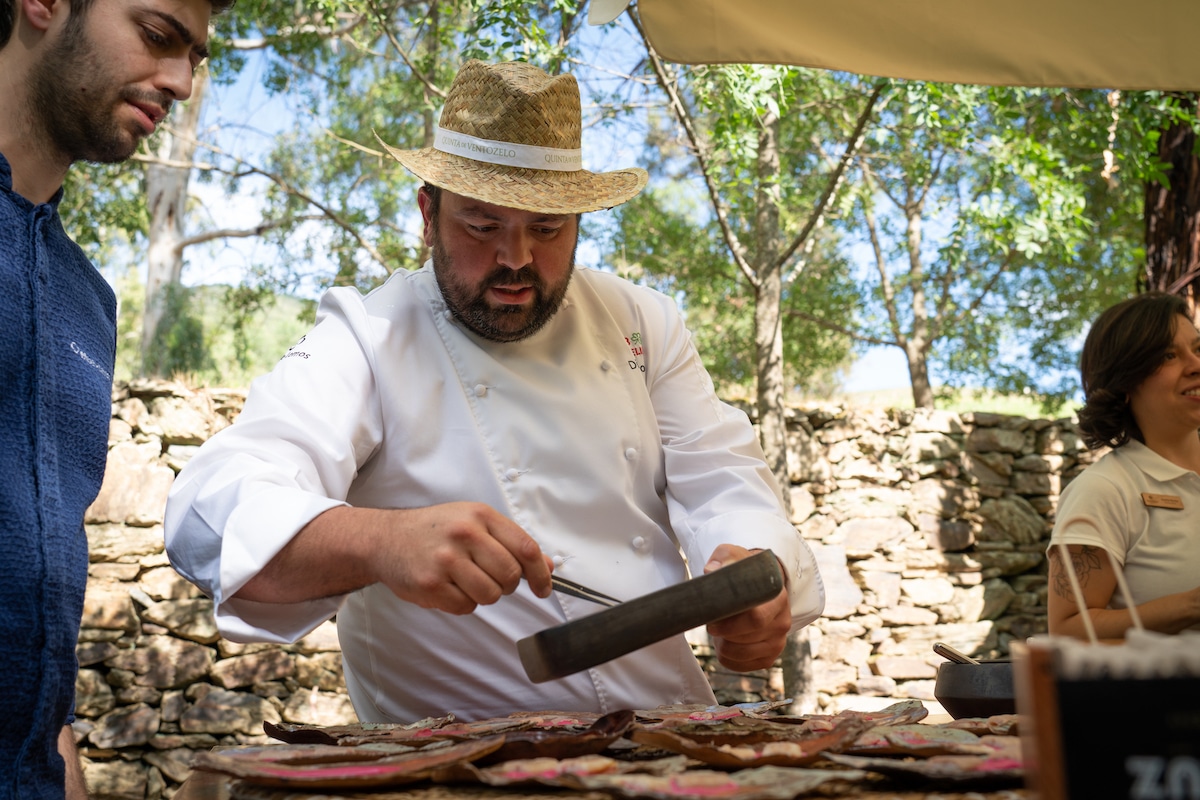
(509, 135)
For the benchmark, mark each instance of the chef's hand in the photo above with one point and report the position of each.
(458, 556)
(752, 639)
(453, 557)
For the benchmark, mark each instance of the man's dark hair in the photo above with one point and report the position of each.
(435, 198)
(1125, 346)
(8, 13)
(8, 19)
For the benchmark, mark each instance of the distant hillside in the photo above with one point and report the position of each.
(212, 343)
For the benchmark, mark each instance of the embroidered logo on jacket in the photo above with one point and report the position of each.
(638, 361)
(293, 352)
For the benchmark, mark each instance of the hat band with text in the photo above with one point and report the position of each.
(507, 154)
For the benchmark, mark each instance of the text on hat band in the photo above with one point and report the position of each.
(507, 154)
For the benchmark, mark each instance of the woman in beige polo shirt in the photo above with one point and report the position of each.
(1136, 508)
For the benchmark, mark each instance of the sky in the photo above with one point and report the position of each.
(877, 369)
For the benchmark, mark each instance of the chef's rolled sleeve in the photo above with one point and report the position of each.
(254, 485)
(234, 530)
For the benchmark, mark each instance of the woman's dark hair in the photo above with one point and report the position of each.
(1126, 345)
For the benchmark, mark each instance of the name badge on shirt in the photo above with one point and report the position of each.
(1162, 500)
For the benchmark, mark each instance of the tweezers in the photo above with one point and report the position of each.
(579, 590)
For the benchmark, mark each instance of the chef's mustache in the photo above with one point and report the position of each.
(507, 277)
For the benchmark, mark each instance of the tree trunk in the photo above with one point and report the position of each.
(167, 194)
(1172, 213)
(915, 345)
(768, 321)
(918, 372)
(798, 681)
(796, 658)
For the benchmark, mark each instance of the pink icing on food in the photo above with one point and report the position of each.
(697, 790)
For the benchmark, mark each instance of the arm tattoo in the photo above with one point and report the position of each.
(1084, 563)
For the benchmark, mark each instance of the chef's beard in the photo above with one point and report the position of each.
(76, 95)
(504, 323)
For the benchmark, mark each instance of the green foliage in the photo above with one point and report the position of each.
(214, 335)
(660, 243)
(1023, 239)
(179, 341)
(131, 299)
(992, 213)
(670, 236)
(960, 401)
(518, 30)
(103, 206)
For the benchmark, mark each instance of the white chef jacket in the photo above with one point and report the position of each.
(600, 435)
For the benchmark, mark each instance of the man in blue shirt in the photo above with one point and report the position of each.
(79, 80)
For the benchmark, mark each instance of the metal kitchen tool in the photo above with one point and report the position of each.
(574, 646)
(582, 592)
(957, 656)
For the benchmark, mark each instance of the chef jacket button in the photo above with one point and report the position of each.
(480, 390)
(606, 365)
(558, 561)
(639, 543)
(630, 454)
(512, 474)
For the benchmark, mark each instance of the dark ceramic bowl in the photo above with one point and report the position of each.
(975, 690)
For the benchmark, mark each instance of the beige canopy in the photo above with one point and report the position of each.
(1108, 44)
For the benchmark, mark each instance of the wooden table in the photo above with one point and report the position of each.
(211, 786)
(203, 785)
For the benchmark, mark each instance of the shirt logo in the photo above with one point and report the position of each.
(91, 362)
(293, 352)
(638, 359)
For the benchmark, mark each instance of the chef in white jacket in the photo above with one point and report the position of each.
(426, 455)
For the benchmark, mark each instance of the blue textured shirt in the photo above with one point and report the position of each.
(57, 349)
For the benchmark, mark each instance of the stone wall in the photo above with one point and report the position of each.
(928, 526)
(156, 683)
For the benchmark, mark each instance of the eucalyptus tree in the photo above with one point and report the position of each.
(769, 146)
(978, 208)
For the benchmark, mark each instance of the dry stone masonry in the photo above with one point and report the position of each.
(156, 682)
(928, 526)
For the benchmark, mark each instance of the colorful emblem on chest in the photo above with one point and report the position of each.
(637, 359)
